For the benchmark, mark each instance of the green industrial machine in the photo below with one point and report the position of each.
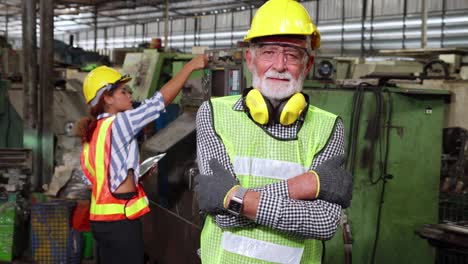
(11, 124)
(394, 140)
(174, 215)
(171, 219)
(151, 69)
(7, 230)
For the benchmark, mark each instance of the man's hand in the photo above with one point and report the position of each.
(336, 184)
(212, 189)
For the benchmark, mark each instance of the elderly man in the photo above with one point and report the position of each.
(272, 180)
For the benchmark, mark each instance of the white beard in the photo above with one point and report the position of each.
(277, 90)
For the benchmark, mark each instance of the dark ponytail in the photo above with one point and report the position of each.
(85, 126)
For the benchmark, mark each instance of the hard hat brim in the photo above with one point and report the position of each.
(109, 87)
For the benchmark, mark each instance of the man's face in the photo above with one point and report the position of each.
(278, 66)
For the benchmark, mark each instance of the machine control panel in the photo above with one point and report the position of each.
(224, 75)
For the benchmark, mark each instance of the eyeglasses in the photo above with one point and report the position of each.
(291, 55)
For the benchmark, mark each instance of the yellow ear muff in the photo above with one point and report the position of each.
(257, 107)
(292, 109)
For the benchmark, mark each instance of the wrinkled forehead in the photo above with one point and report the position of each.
(290, 40)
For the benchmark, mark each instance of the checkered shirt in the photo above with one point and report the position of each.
(315, 219)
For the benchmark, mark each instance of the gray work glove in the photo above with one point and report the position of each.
(336, 184)
(211, 189)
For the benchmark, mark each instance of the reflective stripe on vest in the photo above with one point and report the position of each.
(275, 169)
(262, 250)
(95, 160)
(260, 159)
(85, 162)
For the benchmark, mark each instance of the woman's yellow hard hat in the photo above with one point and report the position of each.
(99, 78)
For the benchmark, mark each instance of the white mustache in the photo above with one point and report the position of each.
(278, 75)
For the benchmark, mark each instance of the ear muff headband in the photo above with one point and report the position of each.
(262, 112)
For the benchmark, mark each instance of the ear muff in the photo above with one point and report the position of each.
(262, 111)
(259, 109)
(290, 110)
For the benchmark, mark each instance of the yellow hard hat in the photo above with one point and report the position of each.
(283, 17)
(99, 78)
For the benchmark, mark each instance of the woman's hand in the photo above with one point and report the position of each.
(172, 88)
(197, 63)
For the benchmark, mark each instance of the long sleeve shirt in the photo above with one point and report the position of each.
(124, 148)
(315, 219)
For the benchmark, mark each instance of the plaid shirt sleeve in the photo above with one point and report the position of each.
(308, 219)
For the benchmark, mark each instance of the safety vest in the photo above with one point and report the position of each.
(260, 159)
(95, 161)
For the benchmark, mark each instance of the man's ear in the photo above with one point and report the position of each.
(248, 58)
(310, 63)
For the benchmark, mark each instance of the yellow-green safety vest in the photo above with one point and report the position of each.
(260, 159)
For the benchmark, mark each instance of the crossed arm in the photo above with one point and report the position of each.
(286, 205)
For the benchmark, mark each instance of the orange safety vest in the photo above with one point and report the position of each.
(95, 160)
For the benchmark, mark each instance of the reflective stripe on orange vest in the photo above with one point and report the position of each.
(95, 160)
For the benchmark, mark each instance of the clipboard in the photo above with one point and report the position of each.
(149, 163)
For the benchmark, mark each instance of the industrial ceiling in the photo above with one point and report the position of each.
(76, 15)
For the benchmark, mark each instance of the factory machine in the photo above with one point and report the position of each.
(404, 114)
(172, 229)
(15, 169)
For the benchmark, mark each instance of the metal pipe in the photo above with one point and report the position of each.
(342, 27)
(135, 41)
(232, 28)
(195, 31)
(30, 133)
(317, 12)
(215, 29)
(317, 17)
(442, 30)
(170, 30)
(6, 25)
(423, 23)
(105, 40)
(46, 89)
(363, 26)
(405, 13)
(371, 37)
(185, 31)
(125, 35)
(95, 27)
(6, 66)
(166, 26)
